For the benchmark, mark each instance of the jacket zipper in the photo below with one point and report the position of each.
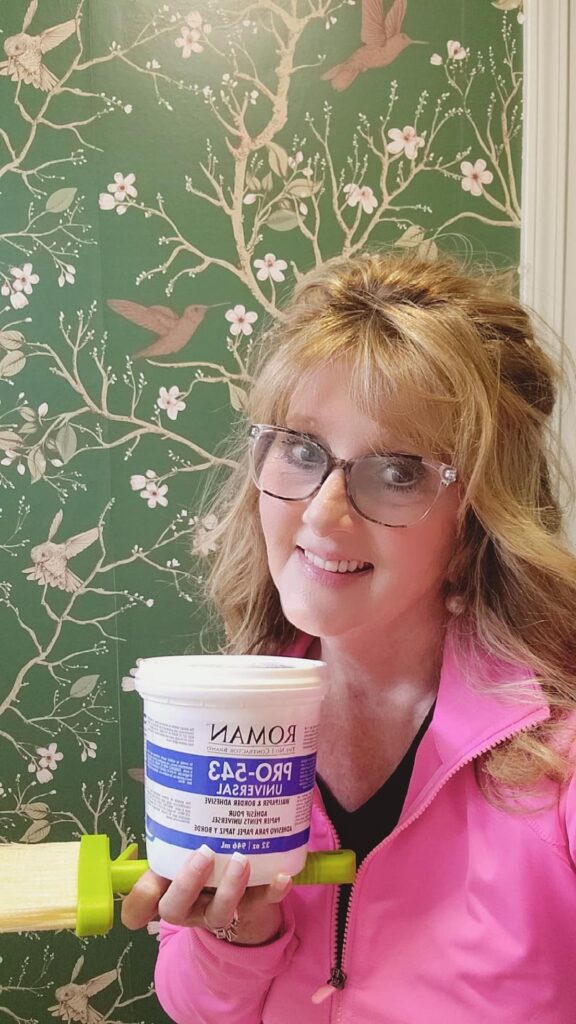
(338, 977)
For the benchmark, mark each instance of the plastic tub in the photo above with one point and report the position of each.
(230, 756)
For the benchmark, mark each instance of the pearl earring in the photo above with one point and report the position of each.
(455, 604)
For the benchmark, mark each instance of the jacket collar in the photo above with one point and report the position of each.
(473, 708)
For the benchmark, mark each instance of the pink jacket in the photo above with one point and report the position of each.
(464, 914)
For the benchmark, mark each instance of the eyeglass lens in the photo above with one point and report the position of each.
(395, 489)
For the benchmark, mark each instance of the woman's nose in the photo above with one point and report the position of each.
(330, 508)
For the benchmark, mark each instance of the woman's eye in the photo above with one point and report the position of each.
(305, 453)
(400, 473)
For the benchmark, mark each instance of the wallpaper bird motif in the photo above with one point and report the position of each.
(25, 52)
(382, 41)
(168, 172)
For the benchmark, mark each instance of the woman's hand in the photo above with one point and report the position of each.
(186, 900)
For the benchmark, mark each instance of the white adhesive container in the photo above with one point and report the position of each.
(230, 755)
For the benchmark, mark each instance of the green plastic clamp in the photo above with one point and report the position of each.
(99, 878)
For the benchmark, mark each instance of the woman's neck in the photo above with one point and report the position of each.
(400, 668)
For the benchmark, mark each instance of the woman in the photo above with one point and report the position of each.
(398, 522)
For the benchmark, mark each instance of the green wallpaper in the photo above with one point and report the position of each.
(166, 175)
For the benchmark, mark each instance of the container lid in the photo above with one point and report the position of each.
(197, 676)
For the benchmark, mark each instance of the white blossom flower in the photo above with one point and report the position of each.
(170, 401)
(43, 775)
(475, 176)
(9, 457)
(67, 274)
(2, 790)
(137, 481)
(406, 139)
(240, 321)
(42, 409)
(106, 201)
(5, 289)
(49, 756)
(436, 59)
(123, 187)
(455, 50)
(362, 194)
(189, 41)
(298, 157)
(194, 19)
(89, 750)
(18, 300)
(128, 108)
(24, 278)
(154, 495)
(270, 267)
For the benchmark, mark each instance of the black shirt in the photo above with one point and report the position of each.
(361, 830)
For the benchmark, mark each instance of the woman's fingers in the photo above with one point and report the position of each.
(176, 904)
(220, 909)
(189, 902)
(141, 903)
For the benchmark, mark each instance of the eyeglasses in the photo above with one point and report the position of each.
(391, 488)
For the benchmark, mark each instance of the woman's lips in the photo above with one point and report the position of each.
(330, 577)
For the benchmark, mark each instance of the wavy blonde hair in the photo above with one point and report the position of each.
(448, 359)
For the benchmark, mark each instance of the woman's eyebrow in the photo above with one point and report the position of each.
(377, 448)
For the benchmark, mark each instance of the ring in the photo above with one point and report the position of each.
(228, 933)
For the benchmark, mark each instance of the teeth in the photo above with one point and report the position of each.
(333, 566)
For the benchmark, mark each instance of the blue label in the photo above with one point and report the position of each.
(248, 778)
(190, 841)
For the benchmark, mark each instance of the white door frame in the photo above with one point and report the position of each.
(548, 234)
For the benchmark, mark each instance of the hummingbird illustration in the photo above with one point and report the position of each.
(25, 52)
(173, 331)
(73, 1000)
(51, 560)
(382, 38)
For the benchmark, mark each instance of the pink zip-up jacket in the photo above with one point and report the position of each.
(464, 914)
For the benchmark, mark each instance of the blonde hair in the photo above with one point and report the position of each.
(448, 359)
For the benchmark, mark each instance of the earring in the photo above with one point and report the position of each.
(455, 604)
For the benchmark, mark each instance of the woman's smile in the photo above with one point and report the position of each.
(329, 572)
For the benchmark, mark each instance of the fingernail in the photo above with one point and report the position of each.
(206, 852)
(236, 865)
(282, 881)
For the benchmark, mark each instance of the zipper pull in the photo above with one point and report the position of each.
(336, 980)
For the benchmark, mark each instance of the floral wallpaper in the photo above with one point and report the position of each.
(167, 173)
